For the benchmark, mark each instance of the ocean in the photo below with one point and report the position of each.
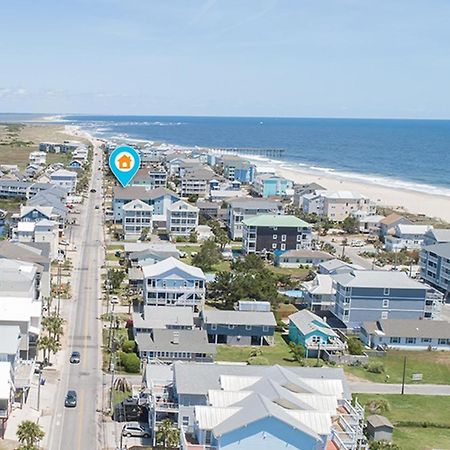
(407, 154)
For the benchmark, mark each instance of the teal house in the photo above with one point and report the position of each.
(313, 333)
(269, 185)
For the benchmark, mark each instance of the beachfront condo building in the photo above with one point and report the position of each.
(435, 266)
(272, 233)
(363, 295)
(337, 205)
(241, 209)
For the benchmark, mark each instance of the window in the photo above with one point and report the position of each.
(386, 291)
(275, 228)
(410, 340)
(248, 327)
(231, 326)
(385, 303)
(274, 246)
(425, 340)
(283, 238)
(214, 326)
(265, 328)
(394, 340)
(443, 341)
(283, 246)
(275, 236)
(299, 237)
(384, 314)
(185, 421)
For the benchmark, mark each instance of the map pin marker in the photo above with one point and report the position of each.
(124, 162)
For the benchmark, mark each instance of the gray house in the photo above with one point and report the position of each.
(364, 295)
(239, 327)
(436, 236)
(435, 266)
(163, 317)
(405, 334)
(175, 345)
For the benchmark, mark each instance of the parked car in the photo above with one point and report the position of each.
(71, 399)
(93, 190)
(97, 207)
(135, 429)
(75, 358)
(114, 300)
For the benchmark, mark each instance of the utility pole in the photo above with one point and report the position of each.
(39, 390)
(404, 375)
(59, 286)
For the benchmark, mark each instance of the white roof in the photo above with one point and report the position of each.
(308, 322)
(413, 229)
(208, 417)
(321, 403)
(63, 173)
(237, 383)
(350, 195)
(322, 284)
(320, 422)
(169, 264)
(181, 205)
(19, 309)
(137, 204)
(378, 279)
(222, 399)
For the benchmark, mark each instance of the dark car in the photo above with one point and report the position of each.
(75, 357)
(71, 399)
(97, 207)
(93, 190)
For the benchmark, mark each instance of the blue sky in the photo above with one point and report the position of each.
(303, 58)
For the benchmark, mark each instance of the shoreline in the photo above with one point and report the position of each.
(431, 205)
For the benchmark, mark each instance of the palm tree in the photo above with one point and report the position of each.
(29, 434)
(48, 345)
(54, 325)
(167, 435)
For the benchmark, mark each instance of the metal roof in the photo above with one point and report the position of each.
(379, 421)
(217, 316)
(162, 316)
(435, 329)
(378, 279)
(169, 264)
(9, 339)
(141, 192)
(275, 220)
(307, 322)
(442, 250)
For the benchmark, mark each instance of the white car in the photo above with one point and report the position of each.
(114, 300)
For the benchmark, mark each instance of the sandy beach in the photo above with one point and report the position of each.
(415, 202)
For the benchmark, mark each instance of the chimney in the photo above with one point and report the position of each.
(176, 338)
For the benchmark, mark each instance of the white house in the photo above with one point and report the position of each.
(173, 283)
(65, 179)
(319, 293)
(38, 158)
(182, 218)
(137, 216)
(406, 237)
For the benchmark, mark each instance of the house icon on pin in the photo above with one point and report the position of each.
(124, 162)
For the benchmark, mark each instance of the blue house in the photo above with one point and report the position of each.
(76, 164)
(269, 185)
(160, 198)
(236, 168)
(239, 327)
(313, 333)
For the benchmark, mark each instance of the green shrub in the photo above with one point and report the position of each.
(129, 346)
(258, 361)
(130, 362)
(378, 405)
(355, 346)
(375, 367)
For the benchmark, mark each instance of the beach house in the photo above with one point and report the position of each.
(159, 199)
(313, 333)
(174, 283)
(239, 327)
(319, 293)
(270, 185)
(303, 257)
(228, 406)
(268, 233)
(435, 267)
(406, 237)
(137, 219)
(237, 168)
(241, 209)
(406, 334)
(370, 295)
(195, 181)
(388, 224)
(65, 179)
(436, 236)
(182, 219)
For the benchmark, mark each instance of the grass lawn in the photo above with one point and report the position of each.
(189, 249)
(435, 367)
(295, 273)
(276, 354)
(115, 247)
(10, 205)
(16, 154)
(285, 310)
(416, 409)
(64, 158)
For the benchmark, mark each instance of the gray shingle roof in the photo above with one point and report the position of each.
(442, 250)
(254, 203)
(141, 193)
(159, 317)
(195, 341)
(378, 279)
(435, 329)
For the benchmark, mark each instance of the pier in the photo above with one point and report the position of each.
(269, 152)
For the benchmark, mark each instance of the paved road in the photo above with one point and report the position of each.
(386, 388)
(78, 428)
